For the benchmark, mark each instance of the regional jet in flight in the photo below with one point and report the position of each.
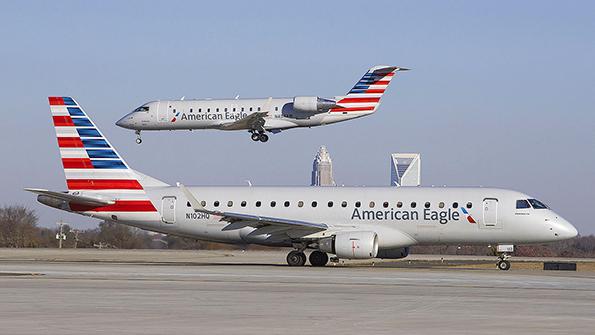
(259, 116)
(347, 222)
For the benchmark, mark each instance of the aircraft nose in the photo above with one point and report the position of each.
(125, 122)
(565, 229)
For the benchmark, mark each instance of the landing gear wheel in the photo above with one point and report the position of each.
(263, 137)
(255, 137)
(296, 258)
(138, 139)
(504, 265)
(318, 258)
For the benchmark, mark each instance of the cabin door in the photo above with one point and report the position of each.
(490, 214)
(168, 209)
(163, 111)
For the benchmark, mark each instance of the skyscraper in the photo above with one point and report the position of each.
(405, 169)
(322, 169)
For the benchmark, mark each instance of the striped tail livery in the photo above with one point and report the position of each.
(99, 181)
(365, 96)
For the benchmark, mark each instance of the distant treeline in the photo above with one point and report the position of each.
(19, 229)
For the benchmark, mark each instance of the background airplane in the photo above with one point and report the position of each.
(261, 115)
(348, 222)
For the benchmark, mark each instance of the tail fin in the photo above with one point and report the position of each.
(89, 160)
(365, 96)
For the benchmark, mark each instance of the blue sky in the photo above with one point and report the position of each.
(501, 93)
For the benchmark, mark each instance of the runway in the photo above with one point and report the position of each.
(247, 293)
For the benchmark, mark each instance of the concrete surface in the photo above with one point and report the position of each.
(138, 292)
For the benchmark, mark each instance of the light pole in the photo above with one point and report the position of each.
(60, 236)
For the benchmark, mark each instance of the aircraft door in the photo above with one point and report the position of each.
(162, 111)
(168, 209)
(490, 214)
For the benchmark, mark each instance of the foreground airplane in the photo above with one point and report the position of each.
(261, 115)
(348, 222)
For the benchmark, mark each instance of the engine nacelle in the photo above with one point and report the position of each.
(393, 253)
(351, 245)
(313, 104)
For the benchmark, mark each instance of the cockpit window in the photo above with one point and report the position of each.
(522, 204)
(142, 109)
(537, 204)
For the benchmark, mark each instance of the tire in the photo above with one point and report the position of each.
(255, 137)
(263, 137)
(318, 258)
(504, 265)
(296, 258)
(139, 141)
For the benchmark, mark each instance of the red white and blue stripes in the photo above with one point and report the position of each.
(365, 96)
(91, 163)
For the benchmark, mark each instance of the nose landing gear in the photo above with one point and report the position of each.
(138, 139)
(503, 262)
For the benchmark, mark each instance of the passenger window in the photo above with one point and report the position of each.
(250, 108)
(273, 203)
(243, 204)
(203, 203)
(300, 203)
(258, 109)
(216, 204)
(427, 205)
(469, 204)
(314, 204)
(413, 204)
(344, 204)
(225, 109)
(208, 110)
(358, 204)
(190, 110)
(258, 203)
(330, 204)
(229, 203)
(537, 204)
(276, 109)
(441, 204)
(233, 109)
(217, 110)
(286, 204)
(242, 109)
(455, 205)
(385, 204)
(399, 204)
(372, 204)
(200, 110)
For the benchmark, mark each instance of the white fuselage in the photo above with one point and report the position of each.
(401, 216)
(216, 114)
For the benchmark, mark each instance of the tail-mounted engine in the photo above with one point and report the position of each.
(313, 105)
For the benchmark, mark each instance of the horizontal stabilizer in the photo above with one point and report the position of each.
(72, 198)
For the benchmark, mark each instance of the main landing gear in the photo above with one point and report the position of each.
(259, 136)
(138, 139)
(503, 262)
(298, 258)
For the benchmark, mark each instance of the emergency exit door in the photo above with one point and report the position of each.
(490, 214)
(168, 209)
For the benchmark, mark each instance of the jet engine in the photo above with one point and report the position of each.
(313, 104)
(351, 245)
(393, 253)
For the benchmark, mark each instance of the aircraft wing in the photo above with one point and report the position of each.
(238, 220)
(79, 199)
(253, 121)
